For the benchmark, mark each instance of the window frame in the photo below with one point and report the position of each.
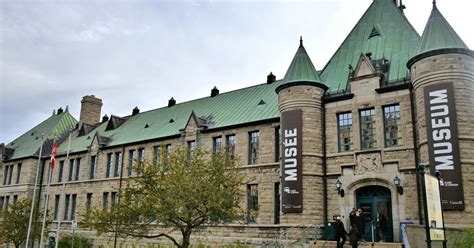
(254, 142)
(18, 173)
(397, 125)
(373, 128)
(252, 203)
(340, 128)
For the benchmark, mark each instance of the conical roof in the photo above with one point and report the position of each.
(383, 31)
(301, 68)
(438, 34)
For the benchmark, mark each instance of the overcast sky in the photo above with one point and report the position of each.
(141, 53)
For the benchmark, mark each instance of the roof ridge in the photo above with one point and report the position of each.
(223, 93)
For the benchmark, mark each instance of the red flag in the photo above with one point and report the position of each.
(53, 155)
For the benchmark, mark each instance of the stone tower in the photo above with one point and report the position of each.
(300, 103)
(442, 73)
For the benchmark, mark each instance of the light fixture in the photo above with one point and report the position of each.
(339, 186)
(397, 181)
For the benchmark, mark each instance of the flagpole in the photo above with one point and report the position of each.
(62, 192)
(50, 174)
(34, 192)
(46, 205)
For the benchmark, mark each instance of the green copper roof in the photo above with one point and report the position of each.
(29, 143)
(301, 68)
(241, 106)
(438, 34)
(384, 31)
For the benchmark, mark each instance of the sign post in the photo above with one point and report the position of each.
(433, 213)
(73, 227)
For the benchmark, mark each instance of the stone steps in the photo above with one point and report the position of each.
(332, 244)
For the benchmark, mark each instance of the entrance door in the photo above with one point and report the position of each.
(375, 200)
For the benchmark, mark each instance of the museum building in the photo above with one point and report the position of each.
(313, 145)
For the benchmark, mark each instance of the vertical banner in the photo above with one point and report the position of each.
(292, 163)
(433, 203)
(443, 147)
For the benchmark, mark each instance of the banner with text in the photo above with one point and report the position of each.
(443, 147)
(291, 163)
(433, 204)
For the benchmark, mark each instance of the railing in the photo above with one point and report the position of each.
(309, 232)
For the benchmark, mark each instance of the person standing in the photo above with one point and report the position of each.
(340, 232)
(360, 223)
(354, 236)
(352, 216)
(382, 226)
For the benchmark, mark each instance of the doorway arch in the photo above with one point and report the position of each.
(372, 200)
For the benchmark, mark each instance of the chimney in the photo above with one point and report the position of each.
(60, 110)
(214, 92)
(271, 78)
(171, 102)
(90, 110)
(105, 118)
(135, 111)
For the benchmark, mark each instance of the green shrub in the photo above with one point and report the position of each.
(79, 242)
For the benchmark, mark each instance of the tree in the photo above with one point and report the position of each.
(14, 222)
(182, 193)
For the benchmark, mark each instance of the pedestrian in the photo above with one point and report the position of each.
(354, 236)
(382, 226)
(340, 232)
(352, 216)
(360, 223)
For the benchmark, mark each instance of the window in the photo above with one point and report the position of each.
(10, 174)
(5, 174)
(108, 166)
(277, 203)
(88, 201)
(2, 199)
(73, 206)
(78, 166)
(277, 144)
(118, 161)
(56, 207)
(71, 169)
(131, 160)
(156, 155)
(7, 200)
(18, 173)
(230, 145)
(93, 167)
(344, 131)
(252, 203)
(391, 118)
(113, 198)
(253, 147)
(141, 157)
(105, 201)
(168, 153)
(60, 172)
(216, 144)
(15, 199)
(191, 148)
(66, 207)
(367, 129)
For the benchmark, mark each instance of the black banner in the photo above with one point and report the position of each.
(292, 163)
(443, 147)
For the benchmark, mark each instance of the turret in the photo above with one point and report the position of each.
(300, 104)
(442, 74)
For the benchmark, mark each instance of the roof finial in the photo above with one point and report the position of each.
(301, 40)
(434, 5)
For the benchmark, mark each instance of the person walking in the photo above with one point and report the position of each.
(382, 226)
(354, 236)
(352, 216)
(360, 223)
(340, 232)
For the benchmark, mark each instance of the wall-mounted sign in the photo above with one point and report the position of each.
(443, 147)
(291, 163)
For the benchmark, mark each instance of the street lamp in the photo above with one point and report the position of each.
(397, 181)
(339, 186)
